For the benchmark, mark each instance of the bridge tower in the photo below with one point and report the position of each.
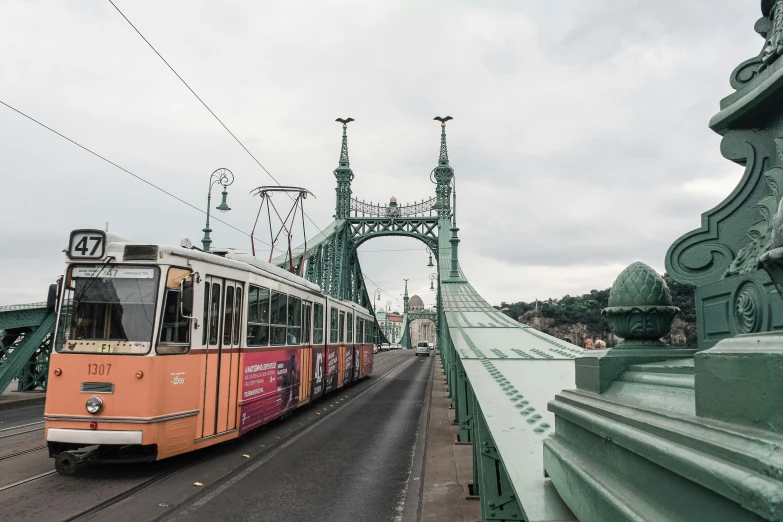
(344, 176)
(405, 298)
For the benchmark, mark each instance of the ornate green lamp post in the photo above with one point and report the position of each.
(433, 277)
(389, 327)
(430, 265)
(225, 178)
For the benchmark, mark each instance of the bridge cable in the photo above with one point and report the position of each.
(207, 107)
(221, 122)
(127, 171)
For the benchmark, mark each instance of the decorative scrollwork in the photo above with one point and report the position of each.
(773, 49)
(745, 72)
(222, 176)
(760, 233)
(747, 309)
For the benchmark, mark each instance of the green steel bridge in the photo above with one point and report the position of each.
(644, 431)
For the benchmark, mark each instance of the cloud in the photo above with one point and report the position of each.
(579, 140)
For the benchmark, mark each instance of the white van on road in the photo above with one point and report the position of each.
(423, 348)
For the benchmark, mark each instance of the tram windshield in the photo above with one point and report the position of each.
(108, 309)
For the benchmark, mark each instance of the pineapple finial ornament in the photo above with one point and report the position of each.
(640, 307)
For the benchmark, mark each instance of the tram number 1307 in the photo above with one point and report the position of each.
(98, 369)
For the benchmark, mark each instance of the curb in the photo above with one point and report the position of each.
(411, 512)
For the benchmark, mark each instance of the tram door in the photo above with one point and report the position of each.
(222, 329)
(305, 365)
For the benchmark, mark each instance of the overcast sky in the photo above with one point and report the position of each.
(579, 140)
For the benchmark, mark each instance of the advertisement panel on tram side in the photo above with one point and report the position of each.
(367, 360)
(317, 382)
(348, 373)
(270, 386)
(357, 364)
(332, 353)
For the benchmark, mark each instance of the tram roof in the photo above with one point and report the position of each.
(238, 261)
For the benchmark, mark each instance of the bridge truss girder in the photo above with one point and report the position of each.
(425, 229)
(25, 346)
(332, 261)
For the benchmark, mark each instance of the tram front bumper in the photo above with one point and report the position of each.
(93, 437)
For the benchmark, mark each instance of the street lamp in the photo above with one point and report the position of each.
(225, 178)
(430, 265)
(386, 322)
(433, 277)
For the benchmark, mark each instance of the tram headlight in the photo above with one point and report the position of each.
(94, 404)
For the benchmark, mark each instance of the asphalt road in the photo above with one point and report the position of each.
(354, 466)
(349, 456)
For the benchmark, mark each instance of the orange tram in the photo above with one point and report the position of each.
(163, 350)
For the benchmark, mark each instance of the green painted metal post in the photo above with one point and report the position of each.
(452, 373)
(476, 446)
(497, 497)
(223, 177)
(463, 411)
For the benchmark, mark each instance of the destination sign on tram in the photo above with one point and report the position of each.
(113, 272)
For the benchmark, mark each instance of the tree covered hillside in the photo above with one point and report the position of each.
(586, 309)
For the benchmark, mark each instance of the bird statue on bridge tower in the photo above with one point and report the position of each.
(442, 120)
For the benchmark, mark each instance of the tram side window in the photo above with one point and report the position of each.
(318, 324)
(333, 325)
(279, 307)
(359, 330)
(350, 328)
(294, 320)
(258, 316)
(228, 321)
(175, 329)
(341, 335)
(214, 310)
(205, 321)
(237, 315)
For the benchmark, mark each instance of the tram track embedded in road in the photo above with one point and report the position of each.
(19, 433)
(239, 473)
(21, 426)
(23, 452)
(269, 453)
(27, 480)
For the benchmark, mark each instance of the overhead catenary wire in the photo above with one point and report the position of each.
(208, 108)
(220, 121)
(127, 171)
(381, 289)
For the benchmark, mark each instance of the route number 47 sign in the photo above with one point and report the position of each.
(87, 244)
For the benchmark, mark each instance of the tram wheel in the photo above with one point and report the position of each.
(66, 463)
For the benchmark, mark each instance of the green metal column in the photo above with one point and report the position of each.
(497, 497)
(463, 410)
(452, 372)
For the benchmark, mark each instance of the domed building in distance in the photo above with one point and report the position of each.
(421, 329)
